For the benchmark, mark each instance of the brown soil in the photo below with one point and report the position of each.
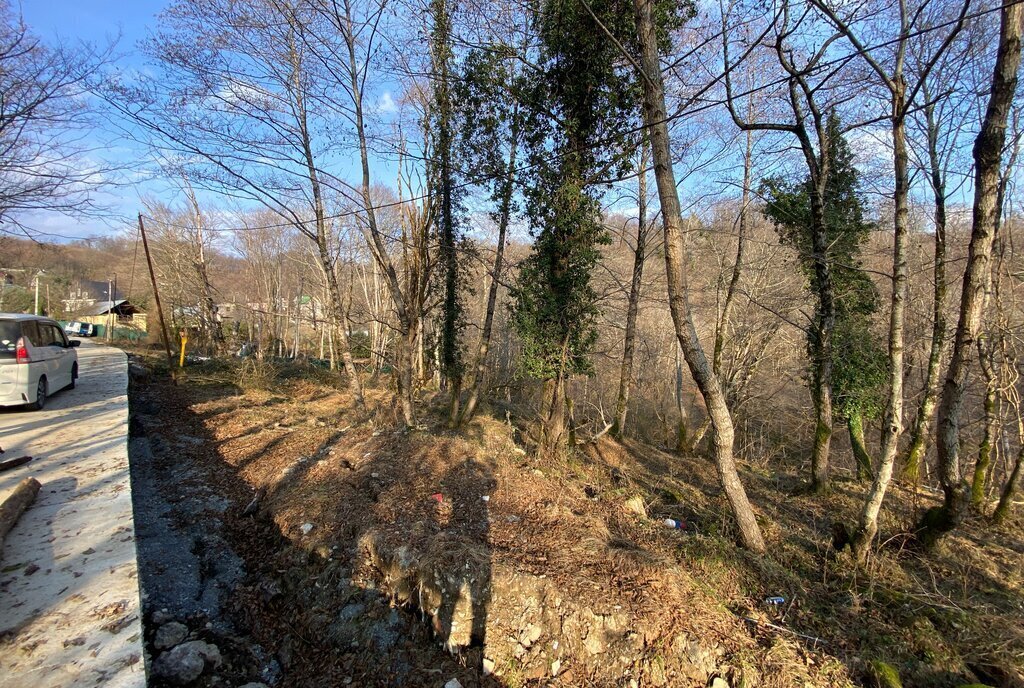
(553, 579)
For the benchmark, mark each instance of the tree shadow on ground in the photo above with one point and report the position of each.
(302, 606)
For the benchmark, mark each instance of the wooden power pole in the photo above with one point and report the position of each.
(156, 294)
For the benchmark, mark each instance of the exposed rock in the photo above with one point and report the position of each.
(186, 662)
(162, 616)
(454, 683)
(138, 372)
(530, 635)
(254, 685)
(352, 611)
(719, 682)
(488, 666)
(169, 635)
(181, 665)
(637, 506)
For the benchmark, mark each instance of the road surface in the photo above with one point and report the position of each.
(69, 592)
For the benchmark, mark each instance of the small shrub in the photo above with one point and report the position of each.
(257, 375)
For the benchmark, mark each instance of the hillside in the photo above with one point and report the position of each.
(561, 575)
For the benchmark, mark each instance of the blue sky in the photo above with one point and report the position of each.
(97, 22)
(92, 20)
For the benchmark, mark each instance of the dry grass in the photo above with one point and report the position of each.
(937, 616)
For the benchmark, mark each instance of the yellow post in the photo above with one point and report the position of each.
(181, 359)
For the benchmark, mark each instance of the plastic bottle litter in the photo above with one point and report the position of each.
(672, 523)
(776, 600)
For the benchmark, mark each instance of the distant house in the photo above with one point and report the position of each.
(84, 294)
(91, 301)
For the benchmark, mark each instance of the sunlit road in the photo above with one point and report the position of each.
(69, 594)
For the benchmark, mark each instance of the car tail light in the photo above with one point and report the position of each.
(22, 352)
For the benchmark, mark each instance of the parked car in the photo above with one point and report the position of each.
(80, 329)
(36, 360)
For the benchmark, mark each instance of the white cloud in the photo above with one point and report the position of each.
(386, 104)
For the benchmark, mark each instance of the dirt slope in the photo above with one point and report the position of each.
(410, 558)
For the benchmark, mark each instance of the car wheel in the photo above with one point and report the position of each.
(74, 375)
(40, 401)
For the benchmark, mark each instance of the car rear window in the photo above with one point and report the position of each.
(10, 331)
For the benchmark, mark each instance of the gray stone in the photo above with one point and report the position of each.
(186, 662)
(254, 685)
(530, 635)
(351, 612)
(180, 666)
(209, 652)
(169, 635)
(162, 616)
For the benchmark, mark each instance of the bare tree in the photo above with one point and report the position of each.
(891, 73)
(808, 125)
(656, 117)
(940, 121)
(240, 107)
(49, 157)
(988, 152)
(633, 304)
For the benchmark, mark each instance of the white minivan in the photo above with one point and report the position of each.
(36, 360)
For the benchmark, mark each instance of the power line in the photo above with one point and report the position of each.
(614, 138)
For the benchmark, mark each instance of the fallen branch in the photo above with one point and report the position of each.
(14, 463)
(783, 629)
(599, 435)
(19, 500)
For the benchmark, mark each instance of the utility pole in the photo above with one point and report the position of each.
(156, 294)
(35, 310)
(110, 309)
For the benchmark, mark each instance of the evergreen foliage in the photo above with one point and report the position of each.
(581, 128)
(860, 365)
(446, 192)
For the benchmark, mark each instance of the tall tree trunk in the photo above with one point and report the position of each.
(989, 436)
(737, 266)
(337, 308)
(691, 443)
(988, 148)
(1009, 490)
(450, 347)
(855, 423)
(553, 416)
(626, 370)
(920, 434)
(404, 307)
(892, 423)
(675, 263)
(209, 307)
(504, 217)
(682, 429)
(821, 349)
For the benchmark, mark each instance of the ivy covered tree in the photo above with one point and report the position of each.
(584, 101)
(490, 94)
(859, 365)
(446, 190)
(859, 373)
